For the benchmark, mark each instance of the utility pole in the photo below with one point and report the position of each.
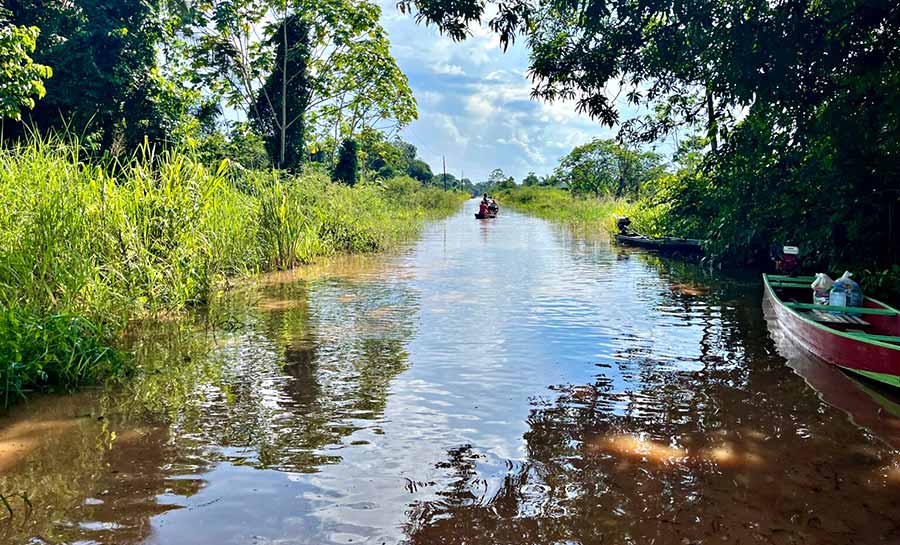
(444, 159)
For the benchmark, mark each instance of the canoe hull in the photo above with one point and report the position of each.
(664, 244)
(876, 360)
(485, 216)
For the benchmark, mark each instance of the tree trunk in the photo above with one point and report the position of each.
(712, 129)
(284, 78)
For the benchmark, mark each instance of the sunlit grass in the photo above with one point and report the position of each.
(582, 211)
(86, 247)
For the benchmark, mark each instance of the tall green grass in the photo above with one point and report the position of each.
(84, 247)
(581, 211)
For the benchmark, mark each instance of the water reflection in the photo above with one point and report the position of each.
(502, 381)
(730, 464)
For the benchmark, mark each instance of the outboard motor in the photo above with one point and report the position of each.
(786, 259)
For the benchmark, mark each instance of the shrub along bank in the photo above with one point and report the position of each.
(658, 214)
(84, 248)
(581, 210)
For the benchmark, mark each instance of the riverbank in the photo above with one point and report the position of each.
(87, 248)
(585, 212)
(580, 211)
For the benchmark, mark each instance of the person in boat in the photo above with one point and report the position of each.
(484, 207)
(493, 207)
(624, 225)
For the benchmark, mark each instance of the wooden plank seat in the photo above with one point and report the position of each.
(845, 310)
(792, 285)
(833, 318)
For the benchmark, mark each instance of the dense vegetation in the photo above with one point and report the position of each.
(84, 248)
(127, 192)
(795, 104)
(592, 185)
(559, 205)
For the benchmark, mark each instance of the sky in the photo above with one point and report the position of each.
(475, 107)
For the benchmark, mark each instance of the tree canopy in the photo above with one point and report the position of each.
(604, 167)
(23, 78)
(341, 60)
(103, 55)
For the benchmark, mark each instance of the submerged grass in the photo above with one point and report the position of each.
(84, 248)
(581, 211)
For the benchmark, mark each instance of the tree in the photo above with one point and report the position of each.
(367, 88)
(420, 170)
(347, 168)
(446, 181)
(605, 167)
(507, 184)
(380, 156)
(531, 179)
(335, 50)
(281, 103)
(496, 176)
(21, 79)
(104, 59)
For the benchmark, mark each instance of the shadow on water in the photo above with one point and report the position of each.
(504, 381)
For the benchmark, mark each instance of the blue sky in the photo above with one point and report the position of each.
(475, 107)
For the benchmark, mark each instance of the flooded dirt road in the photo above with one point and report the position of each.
(498, 382)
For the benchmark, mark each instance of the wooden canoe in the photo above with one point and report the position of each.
(485, 216)
(865, 340)
(662, 244)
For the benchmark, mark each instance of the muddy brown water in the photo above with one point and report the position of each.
(498, 382)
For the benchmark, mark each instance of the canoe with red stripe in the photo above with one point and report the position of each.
(865, 340)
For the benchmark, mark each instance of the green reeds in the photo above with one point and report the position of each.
(42, 351)
(84, 248)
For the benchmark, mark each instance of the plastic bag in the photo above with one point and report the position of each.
(821, 287)
(845, 292)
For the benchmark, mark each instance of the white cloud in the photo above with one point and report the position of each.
(448, 124)
(448, 69)
(475, 103)
(480, 107)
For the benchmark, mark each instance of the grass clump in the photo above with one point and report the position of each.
(84, 247)
(582, 211)
(56, 349)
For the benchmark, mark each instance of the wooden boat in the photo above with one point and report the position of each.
(662, 244)
(485, 216)
(865, 340)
